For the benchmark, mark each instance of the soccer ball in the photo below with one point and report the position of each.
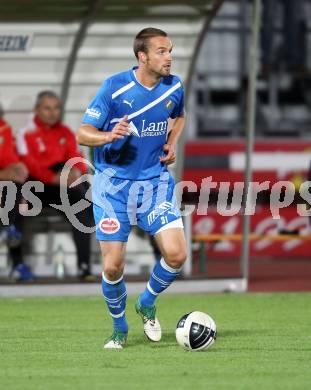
(196, 331)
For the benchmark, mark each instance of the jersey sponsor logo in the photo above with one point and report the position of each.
(153, 129)
(93, 113)
(159, 210)
(133, 129)
(128, 103)
(109, 225)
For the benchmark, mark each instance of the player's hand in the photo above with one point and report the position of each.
(74, 175)
(170, 154)
(15, 172)
(56, 179)
(21, 171)
(120, 130)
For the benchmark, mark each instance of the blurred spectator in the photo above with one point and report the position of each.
(292, 52)
(45, 145)
(11, 169)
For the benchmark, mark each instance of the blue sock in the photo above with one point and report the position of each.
(115, 297)
(161, 278)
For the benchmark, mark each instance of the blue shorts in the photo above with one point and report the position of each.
(118, 204)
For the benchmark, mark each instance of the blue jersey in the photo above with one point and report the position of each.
(136, 157)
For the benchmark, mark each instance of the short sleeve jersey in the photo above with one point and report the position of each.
(136, 157)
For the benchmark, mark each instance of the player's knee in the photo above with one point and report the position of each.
(113, 272)
(176, 257)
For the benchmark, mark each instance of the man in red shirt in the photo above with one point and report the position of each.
(14, 171)
(10, 166)
(45, 145)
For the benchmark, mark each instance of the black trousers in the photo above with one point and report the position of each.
(51, 195)
(12, 214)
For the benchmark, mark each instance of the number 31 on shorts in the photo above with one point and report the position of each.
(164, 219)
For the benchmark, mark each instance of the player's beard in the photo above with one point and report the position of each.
(166, 70)
(162, 71)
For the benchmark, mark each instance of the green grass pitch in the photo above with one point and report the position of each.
(264, 342)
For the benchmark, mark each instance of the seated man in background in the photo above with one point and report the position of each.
(12, 170)
(45, 145)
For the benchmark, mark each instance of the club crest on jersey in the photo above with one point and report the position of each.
(1, 140)
(109, 225)
(169, 104)
(62, 141)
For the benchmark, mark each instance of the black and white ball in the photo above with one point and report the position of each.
(196, 331)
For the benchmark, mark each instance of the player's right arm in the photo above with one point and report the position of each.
(89, 135)
(93, 131)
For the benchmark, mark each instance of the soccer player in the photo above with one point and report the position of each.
(127, 124)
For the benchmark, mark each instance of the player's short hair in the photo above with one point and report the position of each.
(142, 39)
(47, 93)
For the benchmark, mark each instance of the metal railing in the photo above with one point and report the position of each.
(218, 95)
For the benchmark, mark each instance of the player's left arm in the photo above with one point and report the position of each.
(173, 137)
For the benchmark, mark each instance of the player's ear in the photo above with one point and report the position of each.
(142, 57)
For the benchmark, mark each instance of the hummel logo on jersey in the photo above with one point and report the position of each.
(93, 113)
(128, 103)
(161, 209)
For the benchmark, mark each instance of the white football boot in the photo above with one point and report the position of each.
(152, 327)
(116, 341)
